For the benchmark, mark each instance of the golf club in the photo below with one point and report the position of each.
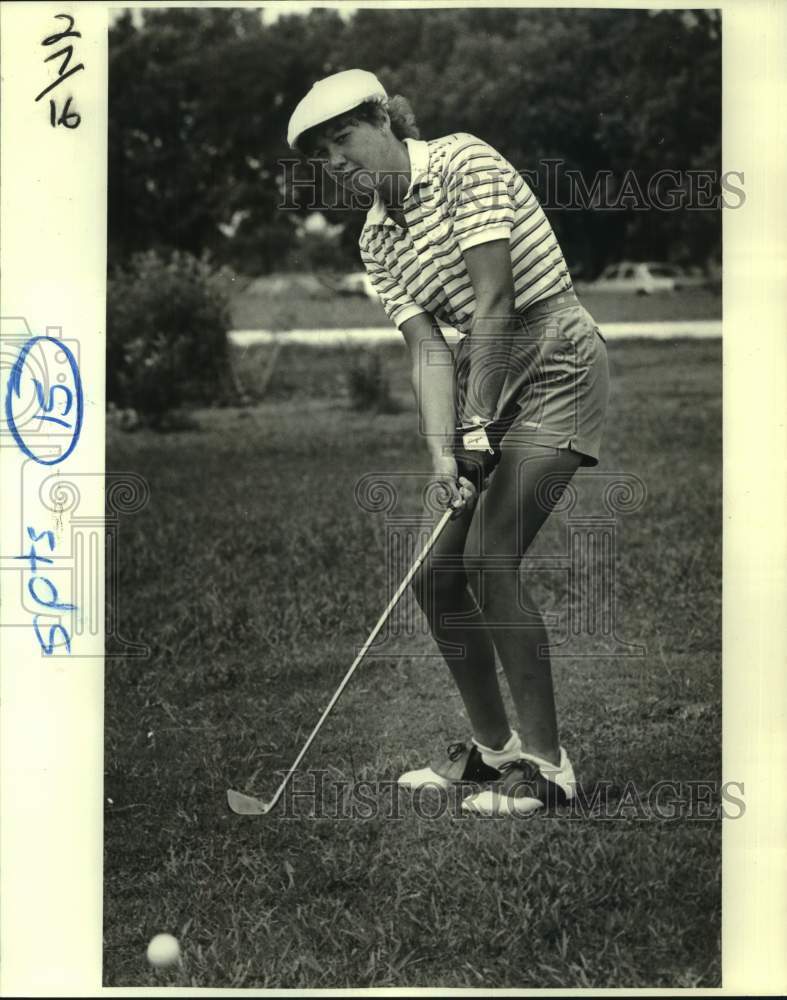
(248, 805)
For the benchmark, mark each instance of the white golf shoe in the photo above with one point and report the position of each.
(462, 763)
(527, 785)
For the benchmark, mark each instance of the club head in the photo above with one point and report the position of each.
(246, 805)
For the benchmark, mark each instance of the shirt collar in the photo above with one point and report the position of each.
(419, 163)
(418, 151)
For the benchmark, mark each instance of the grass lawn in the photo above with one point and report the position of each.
(254, 576)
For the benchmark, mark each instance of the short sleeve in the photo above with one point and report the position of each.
(478, 184)
(398, 305)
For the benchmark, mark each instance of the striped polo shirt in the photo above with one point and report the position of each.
(462, 192)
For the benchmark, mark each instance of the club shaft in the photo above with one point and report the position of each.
(359, 658)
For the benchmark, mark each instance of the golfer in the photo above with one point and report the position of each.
(455, 237)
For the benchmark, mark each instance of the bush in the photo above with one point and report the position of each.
(369, 387)
(167, 324)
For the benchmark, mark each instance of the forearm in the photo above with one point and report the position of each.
(434, 388)
(487, 357)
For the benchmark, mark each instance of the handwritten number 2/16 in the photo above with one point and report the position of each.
(69, 118)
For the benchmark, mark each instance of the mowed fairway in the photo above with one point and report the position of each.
(254, 576)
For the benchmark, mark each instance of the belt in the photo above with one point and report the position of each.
(545, 306)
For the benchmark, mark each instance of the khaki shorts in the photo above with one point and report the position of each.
(556, 387)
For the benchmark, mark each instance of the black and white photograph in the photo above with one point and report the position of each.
(413, 572)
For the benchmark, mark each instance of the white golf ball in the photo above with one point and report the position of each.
(163, 951)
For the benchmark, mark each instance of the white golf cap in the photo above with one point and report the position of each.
(333, 96)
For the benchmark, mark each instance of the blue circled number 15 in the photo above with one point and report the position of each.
(49, 405)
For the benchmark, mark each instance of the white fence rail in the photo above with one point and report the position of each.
(612, 331)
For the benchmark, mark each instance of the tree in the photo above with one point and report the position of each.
(200, 99)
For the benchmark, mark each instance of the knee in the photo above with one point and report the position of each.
(495, 589)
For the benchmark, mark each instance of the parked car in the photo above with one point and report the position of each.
(357, 283)
(646, 277)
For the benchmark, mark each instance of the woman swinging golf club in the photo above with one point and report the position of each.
(455, 236)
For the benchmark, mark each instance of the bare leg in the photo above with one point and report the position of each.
(458, 627)
(508, 518)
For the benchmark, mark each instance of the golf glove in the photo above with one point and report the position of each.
(477, 450)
